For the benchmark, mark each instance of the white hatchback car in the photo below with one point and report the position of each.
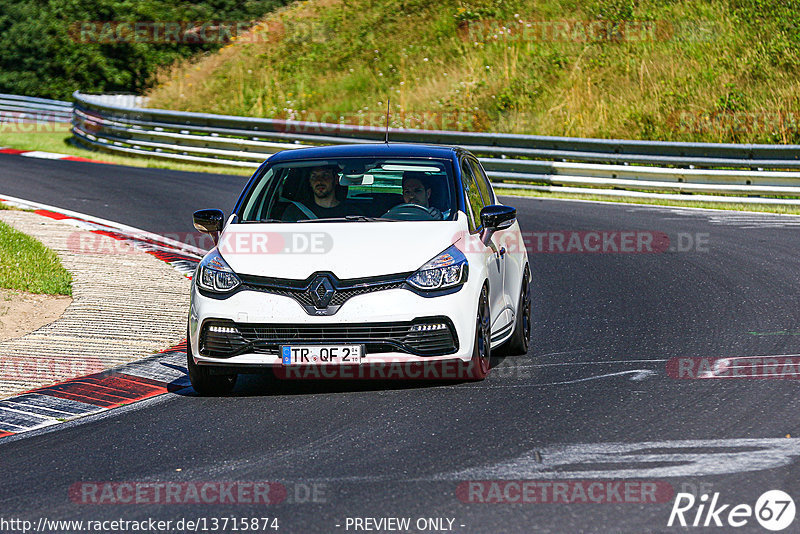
(338, 260)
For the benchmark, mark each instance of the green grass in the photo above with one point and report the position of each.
(59, 141)
(763, 208)
(27, 265)
(704, 66)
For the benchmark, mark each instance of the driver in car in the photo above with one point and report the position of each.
(326, 205)
(416, 191)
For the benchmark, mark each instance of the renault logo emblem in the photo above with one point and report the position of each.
(321, 291)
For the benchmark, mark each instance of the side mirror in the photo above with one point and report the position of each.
(209, 222)
(497, 217)
(494, 218)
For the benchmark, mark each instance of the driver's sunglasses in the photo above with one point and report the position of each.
(320, 175)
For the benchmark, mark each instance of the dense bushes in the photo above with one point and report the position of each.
(43, 51)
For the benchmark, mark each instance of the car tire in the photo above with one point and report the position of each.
(203, 382)
(481, 349)
(520, 340)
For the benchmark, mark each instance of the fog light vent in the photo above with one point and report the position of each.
(428, 327)
(223, 329)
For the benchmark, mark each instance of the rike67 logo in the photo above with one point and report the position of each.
(774, 510)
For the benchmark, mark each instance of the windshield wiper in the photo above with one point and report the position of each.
(364, 218)
(346, 218)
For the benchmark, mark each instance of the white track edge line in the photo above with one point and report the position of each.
(652, 206)
(111, 224)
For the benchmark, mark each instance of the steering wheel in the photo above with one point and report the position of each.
(409, 212)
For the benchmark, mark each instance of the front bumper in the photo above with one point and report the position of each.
(430, 336)
(253, 324)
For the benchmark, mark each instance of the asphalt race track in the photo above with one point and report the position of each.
(156, 200)
(592, 401)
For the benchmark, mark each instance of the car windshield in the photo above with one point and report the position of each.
(352, 190)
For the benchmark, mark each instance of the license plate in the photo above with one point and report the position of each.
(321, 354)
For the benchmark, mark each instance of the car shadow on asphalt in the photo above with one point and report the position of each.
(268, 384)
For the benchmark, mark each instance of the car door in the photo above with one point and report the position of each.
(490, 253)
(507, 240)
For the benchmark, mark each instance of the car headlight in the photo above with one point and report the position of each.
(448, 269)
(214, 274)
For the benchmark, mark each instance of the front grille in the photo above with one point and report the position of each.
(341, 296)
(376, 337)
(302, 290)
(303, 296)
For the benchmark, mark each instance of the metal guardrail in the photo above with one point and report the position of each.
(551, 163)
(617, 151)
(31, 109)
(119, 124)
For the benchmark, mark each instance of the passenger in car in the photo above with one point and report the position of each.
(417, 191)
(326, 204)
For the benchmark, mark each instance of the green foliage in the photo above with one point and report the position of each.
(644, 122)
(44, 53)
(777, 25)
(673, 70)
(27, 265)
(733, 100)
(505, 100)
(466, 14)
(613, 10)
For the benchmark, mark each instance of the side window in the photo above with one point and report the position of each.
(472, 195)
(483, 182)
(254, 208)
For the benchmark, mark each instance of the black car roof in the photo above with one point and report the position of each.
(406, 150)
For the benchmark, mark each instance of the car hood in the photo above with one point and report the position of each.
(347, 249)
